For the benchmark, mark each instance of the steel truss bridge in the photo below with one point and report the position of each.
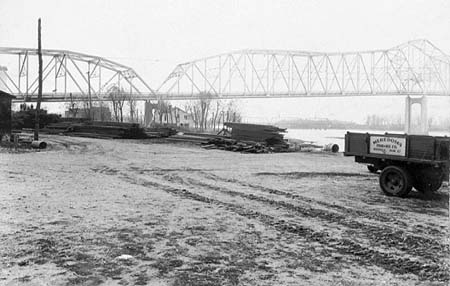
(67, 76)
(415, 68)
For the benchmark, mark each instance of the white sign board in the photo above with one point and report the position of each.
(386, 145)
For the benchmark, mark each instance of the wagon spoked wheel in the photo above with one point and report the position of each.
(395, 181)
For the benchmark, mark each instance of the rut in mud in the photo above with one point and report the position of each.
(389, 247)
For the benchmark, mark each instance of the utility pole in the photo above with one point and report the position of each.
(89, 93)
(38, 105)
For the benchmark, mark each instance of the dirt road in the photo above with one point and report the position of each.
(99, 212)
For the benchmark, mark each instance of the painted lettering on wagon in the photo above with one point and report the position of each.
(395, 146)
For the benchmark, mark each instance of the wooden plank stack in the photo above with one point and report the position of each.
(250, 138)
(108, 130)
(237, 146)
(266, 134)
(97, 129)
(159, 132)
(113, 130)
(57, 128)
(187, 138)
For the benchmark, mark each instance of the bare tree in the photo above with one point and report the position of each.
(203, 106)
(216, 115)
(132, 105)
(102, 111)
(163, 108)
(191, 108)
(199, 110)
(232, 112)
(204, 114)
(118, 97)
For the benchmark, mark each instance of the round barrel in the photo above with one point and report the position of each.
(331, 148)
(39, 144)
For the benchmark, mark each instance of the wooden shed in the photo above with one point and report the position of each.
(5, 113)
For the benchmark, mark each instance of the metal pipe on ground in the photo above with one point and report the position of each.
(39, 144)
(331, 148)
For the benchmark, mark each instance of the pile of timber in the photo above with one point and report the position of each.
(57, 128)
(269, 135)
(108, 130)
(97, 129)
(159, 132)
(229, 144)
(25, 135)
(188, 138)
(113, 130)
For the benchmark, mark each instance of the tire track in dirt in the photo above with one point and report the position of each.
(350, 211)
(371, 215)
(443, 203)
(403, 241)
(422, 204)
(357, 252)
(408, 243)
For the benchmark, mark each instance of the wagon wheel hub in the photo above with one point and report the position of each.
(394, 182)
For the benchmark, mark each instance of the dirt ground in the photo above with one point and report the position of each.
(113, 212)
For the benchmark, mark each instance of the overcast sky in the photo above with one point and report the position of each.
(154, 36)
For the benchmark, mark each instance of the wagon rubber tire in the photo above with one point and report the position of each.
(428, 180)
(395, 181)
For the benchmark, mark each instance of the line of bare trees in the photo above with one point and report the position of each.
(205, 113)
(118, 98)
(209, 113)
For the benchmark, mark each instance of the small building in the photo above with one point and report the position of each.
(171, 116)
(5, 113)
(183, 118)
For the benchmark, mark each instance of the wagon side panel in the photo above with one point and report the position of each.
(421, 147)
(356, 144)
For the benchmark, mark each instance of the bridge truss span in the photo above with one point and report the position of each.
(414, 68)
(67, 76)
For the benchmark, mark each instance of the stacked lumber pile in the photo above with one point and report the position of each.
(237, 146)
(249, 138)
(97, 129)
(187, 138)
(256, 132)
(26, 135)
(266, 134)
(57, 128)
(106, 130)
(159, 132)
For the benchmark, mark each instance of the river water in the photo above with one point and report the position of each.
(336, 136)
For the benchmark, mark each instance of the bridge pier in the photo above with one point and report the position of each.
(423, 126)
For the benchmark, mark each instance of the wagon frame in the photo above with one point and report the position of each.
(405, 161)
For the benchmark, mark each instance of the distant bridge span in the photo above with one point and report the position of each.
(415, 68)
